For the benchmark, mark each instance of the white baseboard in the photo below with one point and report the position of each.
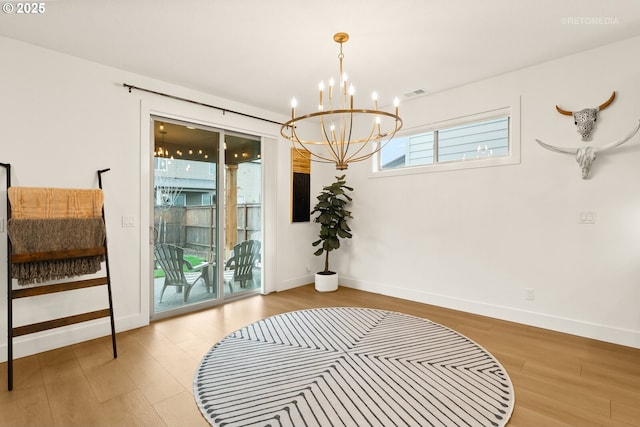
(595, 331)
(294, 283)
(27, 345)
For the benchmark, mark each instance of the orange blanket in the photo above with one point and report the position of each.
(49, 203)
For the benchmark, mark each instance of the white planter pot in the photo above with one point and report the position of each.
(326, 282)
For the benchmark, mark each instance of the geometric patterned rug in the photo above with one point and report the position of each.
(351, 367)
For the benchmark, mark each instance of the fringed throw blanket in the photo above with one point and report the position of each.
(45, 235)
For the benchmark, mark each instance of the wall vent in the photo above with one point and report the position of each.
(416, 92)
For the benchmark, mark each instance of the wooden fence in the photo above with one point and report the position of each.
(194, 227)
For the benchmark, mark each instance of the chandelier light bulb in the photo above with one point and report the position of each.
(294, 103)
(351, 92)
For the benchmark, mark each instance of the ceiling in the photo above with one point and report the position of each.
(263, 53)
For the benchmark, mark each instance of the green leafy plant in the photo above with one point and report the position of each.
(332, 216)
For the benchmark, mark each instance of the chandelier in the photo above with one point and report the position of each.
(337, 132)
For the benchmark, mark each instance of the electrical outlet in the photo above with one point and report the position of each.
(530, 294)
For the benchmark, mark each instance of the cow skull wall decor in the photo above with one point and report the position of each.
(585, 119)
(586, 155)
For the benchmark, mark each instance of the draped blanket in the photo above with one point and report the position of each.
(37, 202)
(55, 219)
(44, 235)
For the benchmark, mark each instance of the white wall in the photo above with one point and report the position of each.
(62, 119)
(474, 239)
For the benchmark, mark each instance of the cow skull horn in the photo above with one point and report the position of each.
(600, 108)
(607, 102)
(565, 112)
(586, 155)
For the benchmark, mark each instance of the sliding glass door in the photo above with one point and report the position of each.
(243, 215)
(204, 180)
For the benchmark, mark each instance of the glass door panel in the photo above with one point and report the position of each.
(185, 188)
(243, 214)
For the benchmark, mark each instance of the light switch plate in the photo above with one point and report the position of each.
(128, 221)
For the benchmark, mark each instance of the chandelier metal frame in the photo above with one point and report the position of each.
(336, 126)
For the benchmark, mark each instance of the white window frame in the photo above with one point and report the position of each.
(512, 112)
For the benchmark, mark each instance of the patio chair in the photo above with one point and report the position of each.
(239, 268)
(171, 260)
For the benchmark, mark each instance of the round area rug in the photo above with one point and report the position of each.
(351, 367)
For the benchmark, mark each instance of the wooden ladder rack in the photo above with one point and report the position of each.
(46, 289)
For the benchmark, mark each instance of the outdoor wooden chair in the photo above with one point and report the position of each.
(171, 260)
(239, 268)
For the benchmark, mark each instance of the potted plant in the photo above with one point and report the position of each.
(332, 216)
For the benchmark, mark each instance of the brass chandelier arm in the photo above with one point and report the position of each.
(304, 151)
(292, 122)
(354, 155)
(353, 158)
(327, 140)
(310, 155)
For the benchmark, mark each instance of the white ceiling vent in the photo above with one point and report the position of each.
(414, 93)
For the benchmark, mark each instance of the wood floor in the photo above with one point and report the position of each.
(559, 379)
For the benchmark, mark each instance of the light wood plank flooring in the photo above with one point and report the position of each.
(559, 379)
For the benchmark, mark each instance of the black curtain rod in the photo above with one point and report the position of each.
(224, 110)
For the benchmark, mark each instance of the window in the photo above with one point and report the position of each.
(207, 199)
(469, 141)
(160, 164)
(482, 138)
